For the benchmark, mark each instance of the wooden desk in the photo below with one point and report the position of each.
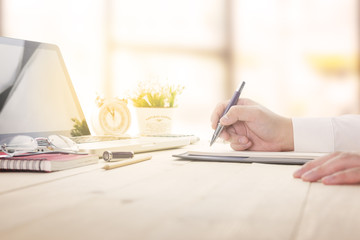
(165, 198)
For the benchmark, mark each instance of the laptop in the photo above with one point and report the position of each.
(37, 98)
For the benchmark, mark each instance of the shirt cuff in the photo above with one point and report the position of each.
(313, 135)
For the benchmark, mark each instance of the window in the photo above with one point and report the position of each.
(298, 57)
(182, 42)
(301, 56)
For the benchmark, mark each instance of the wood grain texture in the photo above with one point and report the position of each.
(331, 212)
(165, 198)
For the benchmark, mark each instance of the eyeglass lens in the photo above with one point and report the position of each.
(22, 144)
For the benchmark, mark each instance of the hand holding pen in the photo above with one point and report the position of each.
(232, 102)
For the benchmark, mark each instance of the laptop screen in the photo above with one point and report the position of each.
(36, 94)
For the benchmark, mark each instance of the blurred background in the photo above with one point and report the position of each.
(298, 57)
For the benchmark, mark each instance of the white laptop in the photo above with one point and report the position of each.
(37, 98)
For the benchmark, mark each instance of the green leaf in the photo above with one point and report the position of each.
(80, 128)
(155, 95)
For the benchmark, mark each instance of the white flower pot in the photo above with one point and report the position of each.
(153, 121)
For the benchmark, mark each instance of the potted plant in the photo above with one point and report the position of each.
(155, 103)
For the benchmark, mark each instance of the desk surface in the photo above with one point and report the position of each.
(166, 198)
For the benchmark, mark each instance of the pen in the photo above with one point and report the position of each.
(108, 155)
(125, 163)
(232, 102)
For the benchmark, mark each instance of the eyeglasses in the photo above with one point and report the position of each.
(22, 144)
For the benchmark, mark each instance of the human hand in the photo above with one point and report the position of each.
(250, 126)
(335, 168)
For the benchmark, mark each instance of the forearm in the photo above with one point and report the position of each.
(327, 134)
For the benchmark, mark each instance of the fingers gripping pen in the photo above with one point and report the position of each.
(232, 102)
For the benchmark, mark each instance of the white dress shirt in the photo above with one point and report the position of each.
(327, 134)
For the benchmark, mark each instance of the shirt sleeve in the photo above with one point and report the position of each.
(327, 134)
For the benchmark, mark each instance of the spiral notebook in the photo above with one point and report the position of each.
(37, 98)
(49, 162)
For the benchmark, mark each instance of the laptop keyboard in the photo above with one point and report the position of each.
(91, 139)
(193, 138)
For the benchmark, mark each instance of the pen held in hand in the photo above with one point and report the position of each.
(232, 102)
(127, 162)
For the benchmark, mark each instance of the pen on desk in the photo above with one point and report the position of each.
(232, 102)
(127, 162)
(116, 156)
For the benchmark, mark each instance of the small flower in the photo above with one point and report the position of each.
(153, 94)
